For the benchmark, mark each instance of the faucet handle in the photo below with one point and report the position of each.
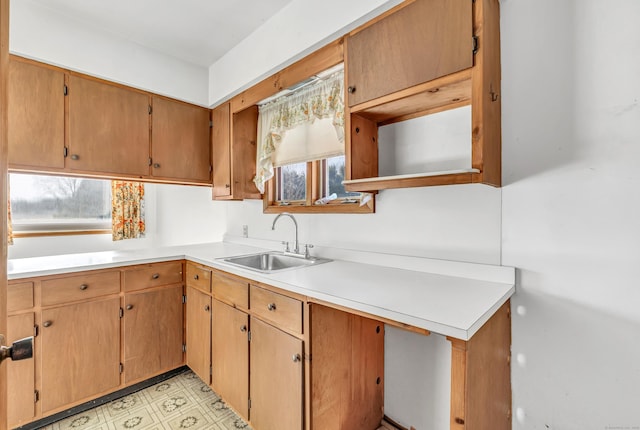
(307, 247)
(286, 246)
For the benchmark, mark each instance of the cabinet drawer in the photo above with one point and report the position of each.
(232, 291)
(282, 311)
(81, 287)
(199, 278)
(153, 275)
(19, 296)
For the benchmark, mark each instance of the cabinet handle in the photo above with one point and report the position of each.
(351, 89)
(271, 306)
(295, 358)
(129, 307)
(207, 308)
(75, 157)
(155, 276)
(47, 323)
(243, 329)
(227, 185)
(196, 277)
(84, 287)
(156, 165)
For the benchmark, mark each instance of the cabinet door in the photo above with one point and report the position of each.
(199, 333)
(243, 153)
(153, 333)
(276, 378)
(36, 116)
(20, 374)
(230, 356)
(221, 147)
(180, 147)
(80, 352)
(425, 40)
(108, 128)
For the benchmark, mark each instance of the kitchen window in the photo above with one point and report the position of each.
(56, 205)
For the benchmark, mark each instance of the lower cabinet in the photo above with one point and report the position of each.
(153, 332)
(276, 378)
(199, 333)
(230, 356)
(20, 374)
(80, 350)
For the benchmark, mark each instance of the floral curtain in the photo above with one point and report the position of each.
(127, 213)
(319, 100)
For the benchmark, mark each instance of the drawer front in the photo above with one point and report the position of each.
(232, 291)
(81, 287)
(152, 275)
(282, 311)
(19, 296)
(198, 278)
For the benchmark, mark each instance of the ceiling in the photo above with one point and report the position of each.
(195, 31)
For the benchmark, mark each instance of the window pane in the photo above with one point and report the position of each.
(291, 183)
(335, 176)
(68, 202)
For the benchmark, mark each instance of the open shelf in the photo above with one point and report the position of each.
(446, 177)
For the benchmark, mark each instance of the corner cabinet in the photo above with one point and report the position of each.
(430, 56)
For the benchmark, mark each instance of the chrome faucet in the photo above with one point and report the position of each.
(296, 248)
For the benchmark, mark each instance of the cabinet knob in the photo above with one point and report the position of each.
(271, 306)
(243, 329)
(129, 307)
(75, 157)
(295, 358)
(47, 323)
(196, 277)
(351, 89)
(84, 287)
(156, 165)
(227, 185)
(207, 308)
(155, 276)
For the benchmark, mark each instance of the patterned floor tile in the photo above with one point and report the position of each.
(140, 419)
(193, 419)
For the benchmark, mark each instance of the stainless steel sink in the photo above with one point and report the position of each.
(273, 261)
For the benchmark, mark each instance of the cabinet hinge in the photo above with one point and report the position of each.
(184, 347)
(249, 335)
(249, 402)
(36, 329)
(150, 110)
(121, 313)
(36, 396)
(474, 44)
(150, 161)
(65, 90)
(65, 152)
(121, 368)
(210, 370)
(210, 168)
(184, 298)
(210, 124)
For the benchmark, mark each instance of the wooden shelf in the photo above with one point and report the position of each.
(449, 92)
(461, 176)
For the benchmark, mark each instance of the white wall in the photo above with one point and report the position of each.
(43, 34)
(571, 210)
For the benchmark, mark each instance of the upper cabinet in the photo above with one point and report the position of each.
(36, 116)
(64, 122)
(422, 41)
(180, 141)
(108, 128)
(424, 57)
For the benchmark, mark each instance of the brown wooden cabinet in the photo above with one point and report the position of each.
(276, 378)
(35, 115)
(230, 356)
(108, 128)
(180, 148)
(423, 41)
(199, 333)
(153, 335)
(80, 352)
(20, 374)
(234, 139)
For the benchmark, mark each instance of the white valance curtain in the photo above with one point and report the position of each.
(303, 126)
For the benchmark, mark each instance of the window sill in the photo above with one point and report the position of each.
(31, 234)
(334, 208)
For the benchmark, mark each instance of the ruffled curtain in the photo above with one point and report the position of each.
(320, 100)
(127, 213)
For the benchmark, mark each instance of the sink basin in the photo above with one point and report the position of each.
(268, 262)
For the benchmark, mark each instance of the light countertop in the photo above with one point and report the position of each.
(449, 298)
